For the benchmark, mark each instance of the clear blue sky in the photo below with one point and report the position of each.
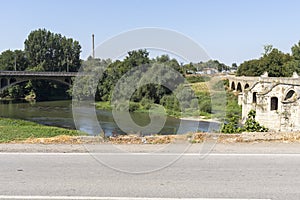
(229, 30)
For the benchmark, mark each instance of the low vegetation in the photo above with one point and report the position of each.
(251, 125)
(17, 130)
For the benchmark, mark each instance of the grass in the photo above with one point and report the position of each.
(199, 87)
(17, 130)
(103, 105)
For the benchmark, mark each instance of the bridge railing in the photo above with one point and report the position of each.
(29, 73)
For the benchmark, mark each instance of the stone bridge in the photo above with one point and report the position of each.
(10, 78)
(276, 100)
(240, 83)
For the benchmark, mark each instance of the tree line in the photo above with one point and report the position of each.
(136, 63)
(273, 61)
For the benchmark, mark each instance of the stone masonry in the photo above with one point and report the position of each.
(275, 100)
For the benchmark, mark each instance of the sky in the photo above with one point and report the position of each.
(230, 31)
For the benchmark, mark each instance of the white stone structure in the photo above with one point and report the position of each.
(275, 100)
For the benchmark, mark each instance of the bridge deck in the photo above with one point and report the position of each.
(37, 74)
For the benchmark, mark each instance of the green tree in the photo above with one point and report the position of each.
(273, 61)
(267, 49)
(234, 66)
(296, 51)
(13, 60)
(52, 52)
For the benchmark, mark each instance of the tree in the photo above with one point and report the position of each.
(273, 61)
(13, 60)
(234, 66)
(296, 51)
(136, 58)
(52, 52)
(267, 49)
(250, 68)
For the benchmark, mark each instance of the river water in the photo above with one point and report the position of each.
(59, 113)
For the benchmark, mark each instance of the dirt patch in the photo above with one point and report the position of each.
(62, 139)
(133, 139)
(166, 139)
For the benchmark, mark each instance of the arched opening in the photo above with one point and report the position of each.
(4, 82)
(246, 86)
(46, 88)
(274, 103)
(289, 95)
(254, 97)
(12, 80)
(232, 86)
(239, 87)
(68, 81)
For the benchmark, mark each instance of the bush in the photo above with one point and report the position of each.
(250, 125)
(205, 105)
(231, 126)
(253, 126)
(147, 103)
(133, 106)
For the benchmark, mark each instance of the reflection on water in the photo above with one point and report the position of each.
(59, 113)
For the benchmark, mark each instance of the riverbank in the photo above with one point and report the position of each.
(24, 132)
(12, 130)
(200, 118)
(136, 107)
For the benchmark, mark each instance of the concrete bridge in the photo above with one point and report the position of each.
(10, 78)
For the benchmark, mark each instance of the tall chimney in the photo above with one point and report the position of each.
(93, 41)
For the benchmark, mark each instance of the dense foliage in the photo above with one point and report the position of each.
(251, 125)
(273, 61)
(44, 51)
(47, 51)
(135, 64)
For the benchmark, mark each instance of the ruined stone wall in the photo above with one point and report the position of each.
(275, 107)
(275, 100)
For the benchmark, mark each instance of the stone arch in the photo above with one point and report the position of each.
(239, 87)
(246, 86)
(274, 103)
(232, 85)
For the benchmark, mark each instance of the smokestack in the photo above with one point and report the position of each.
(93, 41)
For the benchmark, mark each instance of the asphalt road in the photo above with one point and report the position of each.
(161, 175)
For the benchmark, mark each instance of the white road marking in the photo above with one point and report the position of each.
(109, 198)
(151, 154)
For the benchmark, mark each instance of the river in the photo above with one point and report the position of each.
(59, 113)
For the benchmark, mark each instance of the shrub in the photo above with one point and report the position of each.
(251, 125)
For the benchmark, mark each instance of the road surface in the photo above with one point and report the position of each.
(139, 175)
